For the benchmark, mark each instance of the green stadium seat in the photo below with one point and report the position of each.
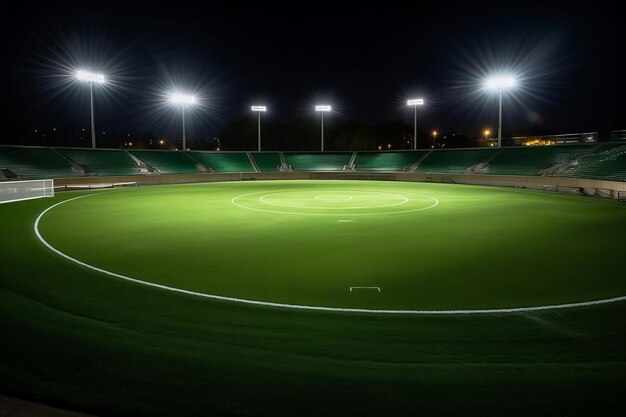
(327, 161)
(387, 161)
(35, 162)
(530, 160)
(267, 161)
(103, 162)
(606, 162)
(167, 162)
(223, 161)
(454, 160)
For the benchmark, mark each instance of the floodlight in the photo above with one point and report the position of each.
(500, 82)
(259, 108)
(415, 102)
(323, 108)
(91, 77)
(182, 99)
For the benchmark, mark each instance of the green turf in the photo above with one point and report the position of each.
(426, 246)
(74, 338)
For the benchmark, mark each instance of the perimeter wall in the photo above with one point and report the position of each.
(610, 189)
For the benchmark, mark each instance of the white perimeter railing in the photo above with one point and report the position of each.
(25, 190)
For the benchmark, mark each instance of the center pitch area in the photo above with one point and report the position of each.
(350, 244)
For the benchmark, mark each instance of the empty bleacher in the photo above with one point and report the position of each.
(327, 161)
(103, 161)
(454, 160)
(166, 162)
(223, 161)
(386, 161)
(531, 160)
(595, 161)
(34, 163)
(606, 162)
(267, 161)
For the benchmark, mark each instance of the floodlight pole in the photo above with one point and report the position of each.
(415, 130)
(93, 123)
(322, 147)
(500, 119)
(259, 128)
(184, 135)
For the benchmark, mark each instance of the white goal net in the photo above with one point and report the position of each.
(25, 190)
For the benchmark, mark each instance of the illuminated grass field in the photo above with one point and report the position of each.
(87, 328)
(409, 246)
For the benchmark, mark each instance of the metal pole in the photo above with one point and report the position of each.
(93, 123)
(259, 128)
(322, 131)
(184, 135)
(415, 129)
(500, 121)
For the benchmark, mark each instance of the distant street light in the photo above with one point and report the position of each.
(415, 103)
(487, 132)
(434, 138)
(323, 109)
(183, 101)
(91, 78)
(161, 142)
(499, 84)
(259, 110)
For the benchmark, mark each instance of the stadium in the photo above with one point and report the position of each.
(405, 281)
(349, 209)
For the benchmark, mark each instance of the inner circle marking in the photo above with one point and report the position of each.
(263, 199)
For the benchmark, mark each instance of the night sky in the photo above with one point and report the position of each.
(364, 60)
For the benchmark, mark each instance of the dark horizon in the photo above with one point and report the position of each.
(365, 62)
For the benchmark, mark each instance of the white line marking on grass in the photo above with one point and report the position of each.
(345, 221)
(403, 200)
(365, 288)
(233, 201)
(306, 307)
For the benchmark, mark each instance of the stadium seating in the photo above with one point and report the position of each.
(386, 161)
(454, 160)
(35, 163)
(607, 161)
(531, 160)
(103, 161)
(223, 161)
(595, 161)
(267, 161)
(166, 162)
(327, 161)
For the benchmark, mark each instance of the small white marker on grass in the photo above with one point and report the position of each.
(345, 221)
(365, 288)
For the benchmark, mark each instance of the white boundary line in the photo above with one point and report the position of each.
(306, 307)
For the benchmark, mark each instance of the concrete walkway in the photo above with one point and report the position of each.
(11, 407)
